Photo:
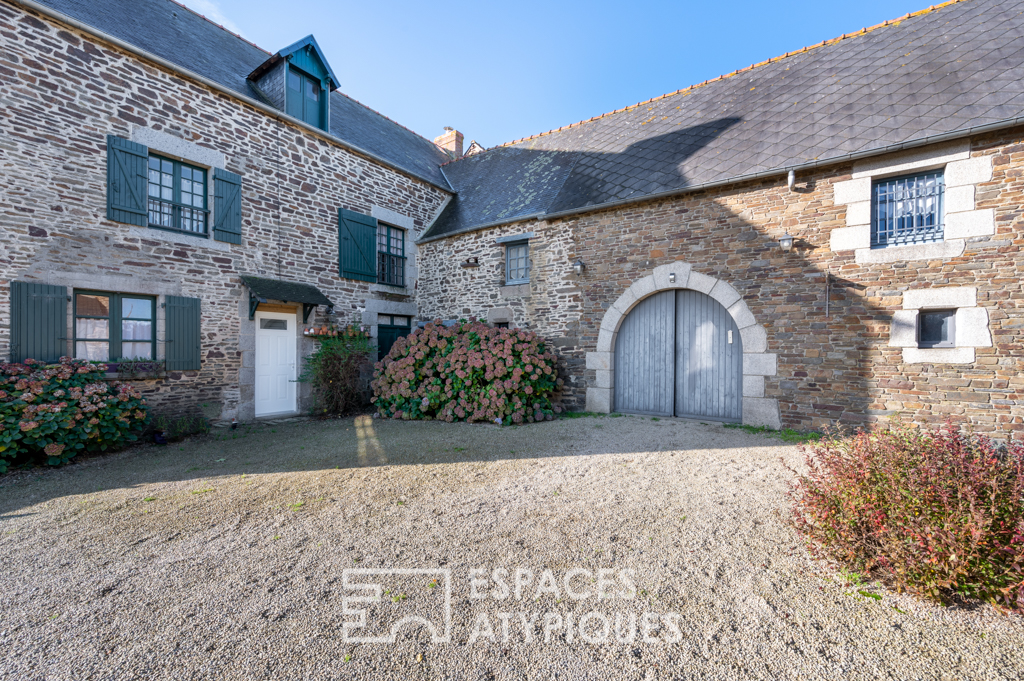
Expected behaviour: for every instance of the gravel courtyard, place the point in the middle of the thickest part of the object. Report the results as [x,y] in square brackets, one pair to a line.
[590,548]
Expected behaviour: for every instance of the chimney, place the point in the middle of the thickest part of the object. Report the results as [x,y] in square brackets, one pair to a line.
[450,141]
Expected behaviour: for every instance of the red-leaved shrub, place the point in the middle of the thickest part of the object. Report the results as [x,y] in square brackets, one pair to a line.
[467,372]
[934,513]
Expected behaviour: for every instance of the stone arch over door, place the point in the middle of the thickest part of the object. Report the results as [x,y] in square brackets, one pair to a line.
[758,363]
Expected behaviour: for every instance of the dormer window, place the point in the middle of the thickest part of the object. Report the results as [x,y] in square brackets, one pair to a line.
[304,95]
[298,81]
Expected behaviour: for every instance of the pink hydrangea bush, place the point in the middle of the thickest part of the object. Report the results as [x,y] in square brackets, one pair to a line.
[467,372]
[55,411]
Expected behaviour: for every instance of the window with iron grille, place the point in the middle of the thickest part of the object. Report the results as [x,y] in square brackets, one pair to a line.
[390,255]
[517,263]
[907,210]
[177,196]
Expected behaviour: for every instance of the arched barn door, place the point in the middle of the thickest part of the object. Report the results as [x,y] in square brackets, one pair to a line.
[678,353]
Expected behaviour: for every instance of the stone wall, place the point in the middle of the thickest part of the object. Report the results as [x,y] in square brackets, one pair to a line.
[551,304]
[63,92]
[840,362]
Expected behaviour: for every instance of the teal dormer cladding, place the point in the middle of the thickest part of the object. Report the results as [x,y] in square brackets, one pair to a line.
[298,80]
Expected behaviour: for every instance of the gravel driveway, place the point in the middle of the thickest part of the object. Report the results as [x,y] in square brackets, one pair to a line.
[235,556]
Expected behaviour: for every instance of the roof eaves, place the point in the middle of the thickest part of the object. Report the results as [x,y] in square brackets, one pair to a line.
[749,177]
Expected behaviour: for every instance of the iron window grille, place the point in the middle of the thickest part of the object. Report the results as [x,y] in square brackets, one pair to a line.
[177,196]
[907,210]
[390,255]
[517,263]
[936,329]
[113,326]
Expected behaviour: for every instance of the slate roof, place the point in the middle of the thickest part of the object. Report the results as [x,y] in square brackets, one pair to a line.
[289,291]
[951,68]
[175,33]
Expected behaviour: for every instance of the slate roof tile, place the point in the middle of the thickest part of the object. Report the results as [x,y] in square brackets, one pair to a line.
[183,37]
[913,78]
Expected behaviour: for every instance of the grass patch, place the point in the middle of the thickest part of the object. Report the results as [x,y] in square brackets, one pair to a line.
[787,435]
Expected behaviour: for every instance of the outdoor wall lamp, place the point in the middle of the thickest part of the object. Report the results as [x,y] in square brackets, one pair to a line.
[578,267]
[786,243]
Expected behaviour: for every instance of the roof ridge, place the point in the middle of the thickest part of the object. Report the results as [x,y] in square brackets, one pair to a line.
[220,26]
[771,60]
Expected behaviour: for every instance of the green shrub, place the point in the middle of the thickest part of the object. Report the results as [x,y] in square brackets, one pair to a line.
[335,370]
[935,513]
[54,412]
[468,371]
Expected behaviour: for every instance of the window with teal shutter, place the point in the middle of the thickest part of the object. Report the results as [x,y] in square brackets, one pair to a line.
[227,196]
[39,321]
[127,181]
[304,97]
[357,246]
[114,326]
[184,336]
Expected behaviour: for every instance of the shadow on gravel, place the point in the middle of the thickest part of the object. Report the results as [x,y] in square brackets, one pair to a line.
[361,443]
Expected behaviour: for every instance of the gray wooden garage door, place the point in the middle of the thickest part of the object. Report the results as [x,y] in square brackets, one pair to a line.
[679,353]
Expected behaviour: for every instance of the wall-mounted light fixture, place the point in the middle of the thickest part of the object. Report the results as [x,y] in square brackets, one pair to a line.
[671,277]
[786,243]
[578,267]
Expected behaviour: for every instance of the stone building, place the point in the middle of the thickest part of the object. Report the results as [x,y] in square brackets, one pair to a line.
[830,236]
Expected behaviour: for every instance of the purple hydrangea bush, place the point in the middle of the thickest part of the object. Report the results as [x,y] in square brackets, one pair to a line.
[467,372]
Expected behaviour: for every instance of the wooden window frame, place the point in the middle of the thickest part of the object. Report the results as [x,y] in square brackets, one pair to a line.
[947,343]
[176,205]
[511,248]
[307,80]
[390,260]
[114,320]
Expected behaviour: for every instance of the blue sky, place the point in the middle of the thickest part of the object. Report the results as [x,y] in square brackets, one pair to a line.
[501,71]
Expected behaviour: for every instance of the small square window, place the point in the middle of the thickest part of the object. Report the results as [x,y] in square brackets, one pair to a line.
[517,263]
[936,329]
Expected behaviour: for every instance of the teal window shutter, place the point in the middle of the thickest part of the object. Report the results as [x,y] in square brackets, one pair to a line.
[293,93]
[227,195]
[183,340]
[127,181]
[39,321]
[357,246]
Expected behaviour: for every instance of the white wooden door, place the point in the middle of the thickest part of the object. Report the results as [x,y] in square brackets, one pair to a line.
[276,349]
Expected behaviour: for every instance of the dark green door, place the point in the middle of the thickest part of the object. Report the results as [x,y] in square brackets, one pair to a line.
[389,329]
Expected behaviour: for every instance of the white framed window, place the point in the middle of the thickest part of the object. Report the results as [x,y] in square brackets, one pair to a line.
[517,263]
